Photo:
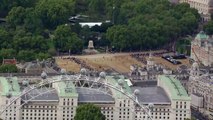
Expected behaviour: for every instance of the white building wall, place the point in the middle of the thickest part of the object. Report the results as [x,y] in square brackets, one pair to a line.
[13,112]
[159,112]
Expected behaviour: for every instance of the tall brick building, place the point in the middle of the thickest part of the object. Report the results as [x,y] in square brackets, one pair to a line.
[202,49]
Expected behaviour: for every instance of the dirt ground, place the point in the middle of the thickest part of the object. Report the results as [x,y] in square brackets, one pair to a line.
[100,62]
[68,65]
[118,62]
[164,62]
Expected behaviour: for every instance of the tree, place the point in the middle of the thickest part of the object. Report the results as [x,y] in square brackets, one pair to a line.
[38,43]
[66,40]
[7,54]
[183,46]
[89,112]
[54,12]
[16,16]
[97,6]
[8,68]
[151,24]
[26,55]
[26,3]
[51,51]
[120,37]
[39,25]
[32,22]
[42,56]
[5,6]
[5,38]
[208,28]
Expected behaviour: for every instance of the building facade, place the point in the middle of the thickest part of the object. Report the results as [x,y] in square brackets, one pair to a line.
[180,100]
[204,7]
[63,98]
[201,87]
[202,50]
[149,73]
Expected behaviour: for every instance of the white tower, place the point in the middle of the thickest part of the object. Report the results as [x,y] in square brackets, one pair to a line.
[194,75]
[195,70]
[150,62]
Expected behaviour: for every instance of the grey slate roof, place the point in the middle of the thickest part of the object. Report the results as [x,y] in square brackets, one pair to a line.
[92,96]
[46,97]
[84,96]
[155,95]
[146,83]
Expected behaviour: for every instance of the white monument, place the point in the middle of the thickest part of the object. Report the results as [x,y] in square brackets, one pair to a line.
[90,45]
[90,49]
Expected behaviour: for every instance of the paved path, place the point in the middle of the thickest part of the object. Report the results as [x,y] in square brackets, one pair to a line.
[109,54]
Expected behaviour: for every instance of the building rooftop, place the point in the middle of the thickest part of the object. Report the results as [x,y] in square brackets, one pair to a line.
[86,95]
[114,80]
[145,83]
[50,96]
[66,89]
[202,36]
[155,95]
[9,85]
[174,86]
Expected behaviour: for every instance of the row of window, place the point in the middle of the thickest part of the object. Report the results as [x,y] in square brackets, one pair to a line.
[156,117]
[38,114]
[38,106]
[38,110]
[39,118]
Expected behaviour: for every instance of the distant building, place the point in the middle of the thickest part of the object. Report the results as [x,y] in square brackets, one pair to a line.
[9,61]
[202,49]
[90,24]
[201,87]
[148,75]
[169,98]
[36,67]
[182,74]
[180,100]
[204,7]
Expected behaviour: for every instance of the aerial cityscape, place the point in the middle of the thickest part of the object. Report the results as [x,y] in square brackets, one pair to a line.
[106,59]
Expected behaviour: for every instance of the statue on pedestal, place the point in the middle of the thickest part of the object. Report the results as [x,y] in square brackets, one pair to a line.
[90,45]
[90,49]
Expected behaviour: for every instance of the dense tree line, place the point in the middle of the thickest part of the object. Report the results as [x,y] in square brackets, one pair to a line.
[142,24]
[208,28]
[149,24]
[32,28]
[38,29]
[7,68]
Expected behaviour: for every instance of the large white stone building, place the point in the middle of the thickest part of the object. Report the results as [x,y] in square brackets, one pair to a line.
[204,7]
[202,49]
[169,98]
[201,87]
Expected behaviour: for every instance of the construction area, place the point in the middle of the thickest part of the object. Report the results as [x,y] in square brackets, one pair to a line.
[119,62]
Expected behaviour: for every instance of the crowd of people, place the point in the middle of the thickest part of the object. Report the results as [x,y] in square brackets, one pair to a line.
[139,57]
[83,64]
